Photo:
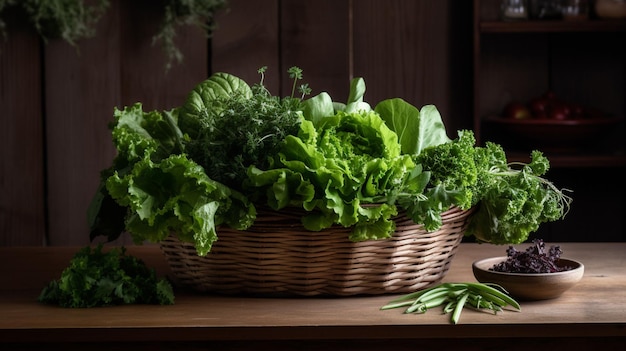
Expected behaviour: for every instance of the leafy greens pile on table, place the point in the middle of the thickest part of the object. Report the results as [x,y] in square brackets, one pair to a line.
[231,147]
[96,278]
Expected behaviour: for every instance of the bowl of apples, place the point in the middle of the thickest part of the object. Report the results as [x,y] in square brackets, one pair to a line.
[551,124]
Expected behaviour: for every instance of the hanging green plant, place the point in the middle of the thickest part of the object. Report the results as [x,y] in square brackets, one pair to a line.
[69,20]
[200,13]
[72,20]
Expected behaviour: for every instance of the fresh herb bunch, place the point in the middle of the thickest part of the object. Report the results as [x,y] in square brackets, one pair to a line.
[67,19]
[535,259]
[240,130]
[96,278]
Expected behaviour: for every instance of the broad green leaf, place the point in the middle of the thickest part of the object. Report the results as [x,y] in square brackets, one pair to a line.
[318,107]
[357,90]
[416,129]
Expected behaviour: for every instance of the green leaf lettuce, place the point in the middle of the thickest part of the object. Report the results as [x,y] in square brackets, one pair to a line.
[343,170]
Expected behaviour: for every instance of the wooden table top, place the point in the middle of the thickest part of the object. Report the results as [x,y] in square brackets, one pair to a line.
[596,307]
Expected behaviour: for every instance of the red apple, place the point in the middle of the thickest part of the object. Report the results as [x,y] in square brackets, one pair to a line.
[539,107]
[516,110]
[560,111]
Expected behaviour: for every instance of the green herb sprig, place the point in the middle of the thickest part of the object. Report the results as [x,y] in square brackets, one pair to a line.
[454,297]
[244,131]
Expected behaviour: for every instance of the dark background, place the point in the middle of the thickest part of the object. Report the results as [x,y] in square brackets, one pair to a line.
[56,101]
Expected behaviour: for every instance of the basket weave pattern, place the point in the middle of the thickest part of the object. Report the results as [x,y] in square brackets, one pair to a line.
[278,257]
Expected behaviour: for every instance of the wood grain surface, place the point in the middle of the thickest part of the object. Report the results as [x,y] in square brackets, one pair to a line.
[591,312]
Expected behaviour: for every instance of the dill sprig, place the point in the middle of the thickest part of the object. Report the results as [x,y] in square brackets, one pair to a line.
[247,131]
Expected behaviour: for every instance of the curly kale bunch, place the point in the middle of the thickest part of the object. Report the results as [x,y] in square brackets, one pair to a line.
[453,168]
[96,278]
[515,199]
[511,199]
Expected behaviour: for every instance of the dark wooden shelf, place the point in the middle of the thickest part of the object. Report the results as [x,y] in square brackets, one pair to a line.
[581,61]
[552,26]
[582,143]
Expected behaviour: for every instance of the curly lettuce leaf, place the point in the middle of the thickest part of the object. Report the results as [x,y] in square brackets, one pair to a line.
[344,170]
[153,189]
[136,134]
[174,195]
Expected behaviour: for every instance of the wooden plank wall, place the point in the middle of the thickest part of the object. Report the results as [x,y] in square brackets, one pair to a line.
[22,219]
[56,102]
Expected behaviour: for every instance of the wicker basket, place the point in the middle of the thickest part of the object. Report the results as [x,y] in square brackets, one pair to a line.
[278,257]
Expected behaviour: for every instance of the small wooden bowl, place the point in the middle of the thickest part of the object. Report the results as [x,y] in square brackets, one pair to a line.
[530,286]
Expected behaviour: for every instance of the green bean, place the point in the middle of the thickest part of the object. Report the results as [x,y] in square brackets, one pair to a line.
[490,290]
[413,298]
[478,302]
[494,299]
[434,293]
[449,307]
[456,314]
[421,307]
[456,293]
[454,297]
